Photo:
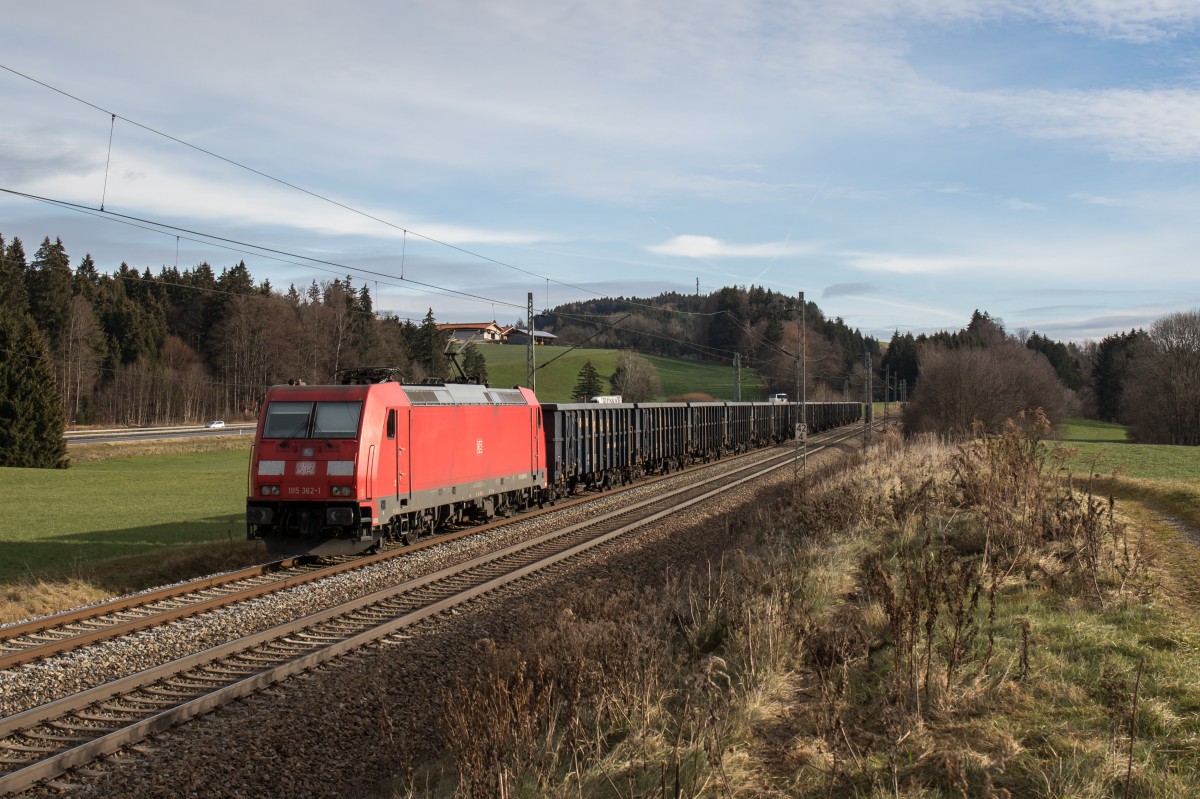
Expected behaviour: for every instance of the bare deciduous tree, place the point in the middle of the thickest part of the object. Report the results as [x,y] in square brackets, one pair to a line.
[959,387]
[635,379]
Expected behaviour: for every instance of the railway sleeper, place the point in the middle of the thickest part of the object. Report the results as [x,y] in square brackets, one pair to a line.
[61,739]
[31,749]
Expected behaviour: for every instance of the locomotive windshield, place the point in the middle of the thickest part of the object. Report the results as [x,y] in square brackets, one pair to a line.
[312,420]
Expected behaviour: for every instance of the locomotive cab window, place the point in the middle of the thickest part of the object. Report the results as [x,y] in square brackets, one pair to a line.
[312,420]
[336,420]
[391,424]
[287,420]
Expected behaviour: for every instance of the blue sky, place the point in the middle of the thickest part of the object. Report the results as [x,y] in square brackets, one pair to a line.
[901,162]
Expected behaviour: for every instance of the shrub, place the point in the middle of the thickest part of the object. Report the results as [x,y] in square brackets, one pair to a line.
[960,387]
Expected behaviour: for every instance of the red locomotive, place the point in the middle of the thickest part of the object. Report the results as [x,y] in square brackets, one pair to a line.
[335,469]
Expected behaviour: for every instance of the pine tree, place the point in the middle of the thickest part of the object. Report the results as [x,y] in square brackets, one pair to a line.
[12,276]
[48,281]
[429,349]
[31,415]
[474,364]
[589,384]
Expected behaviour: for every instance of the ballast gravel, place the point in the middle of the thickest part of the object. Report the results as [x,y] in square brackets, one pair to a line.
[345,728]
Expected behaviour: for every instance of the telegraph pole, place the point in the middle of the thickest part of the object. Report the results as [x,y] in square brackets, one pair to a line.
[804,384]
[530,359]
[868,395]
[887,384]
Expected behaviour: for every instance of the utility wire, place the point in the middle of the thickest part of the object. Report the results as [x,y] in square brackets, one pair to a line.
[256,249]
[316,195]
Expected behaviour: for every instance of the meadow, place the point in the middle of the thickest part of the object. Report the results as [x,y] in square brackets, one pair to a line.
[123,521]
[1153,479]
[1104,448]
[556,381]
[129,516]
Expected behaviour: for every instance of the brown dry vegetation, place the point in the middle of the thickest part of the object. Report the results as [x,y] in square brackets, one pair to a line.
[84,453]
[931,622]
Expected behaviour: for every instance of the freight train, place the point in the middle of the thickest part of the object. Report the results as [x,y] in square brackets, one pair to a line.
[336,469]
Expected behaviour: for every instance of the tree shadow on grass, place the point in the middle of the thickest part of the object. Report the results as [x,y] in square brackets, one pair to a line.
[127,560]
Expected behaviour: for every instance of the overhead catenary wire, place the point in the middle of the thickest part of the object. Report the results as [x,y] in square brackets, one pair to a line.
[309,192]
[281,256]
[333,267]
[262,251]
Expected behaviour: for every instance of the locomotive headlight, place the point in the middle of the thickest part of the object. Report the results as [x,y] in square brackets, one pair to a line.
[270,491]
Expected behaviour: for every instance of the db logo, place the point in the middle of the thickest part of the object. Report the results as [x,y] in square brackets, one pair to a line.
[479,447]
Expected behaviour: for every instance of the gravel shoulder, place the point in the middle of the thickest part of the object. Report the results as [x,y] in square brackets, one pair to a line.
[348,727]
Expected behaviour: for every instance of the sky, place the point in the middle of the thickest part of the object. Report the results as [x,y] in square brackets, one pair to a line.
[902,162]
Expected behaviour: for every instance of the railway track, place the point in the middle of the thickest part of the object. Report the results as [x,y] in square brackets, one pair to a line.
[47,741]
[48,636]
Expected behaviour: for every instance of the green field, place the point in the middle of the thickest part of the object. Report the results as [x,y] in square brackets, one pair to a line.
[109,518]
[1104,448]
[67,522]
[556,381]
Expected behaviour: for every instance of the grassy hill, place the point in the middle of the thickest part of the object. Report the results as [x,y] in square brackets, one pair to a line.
[556,381]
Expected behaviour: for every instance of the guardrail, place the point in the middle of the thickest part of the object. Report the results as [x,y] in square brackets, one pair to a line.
[118,432]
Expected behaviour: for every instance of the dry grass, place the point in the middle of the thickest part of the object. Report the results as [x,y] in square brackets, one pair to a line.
[25,599]
[31,596]
[84,453]
[931,622]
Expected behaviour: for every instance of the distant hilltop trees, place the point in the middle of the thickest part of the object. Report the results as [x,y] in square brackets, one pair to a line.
[82,346]
[1147,380]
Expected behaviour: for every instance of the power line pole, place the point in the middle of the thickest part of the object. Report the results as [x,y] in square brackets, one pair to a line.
[530,359]
[868,395]
[737,377]
[887,383]
[804,383]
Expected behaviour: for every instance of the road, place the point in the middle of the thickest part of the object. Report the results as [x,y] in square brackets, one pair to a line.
[75,438]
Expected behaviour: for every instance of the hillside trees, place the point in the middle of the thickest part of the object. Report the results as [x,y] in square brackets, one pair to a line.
[1061,357]
[756,324]
[900,360]
[129,346]
[1111,368]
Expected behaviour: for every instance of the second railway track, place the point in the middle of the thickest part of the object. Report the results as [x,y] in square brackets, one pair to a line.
[48,740]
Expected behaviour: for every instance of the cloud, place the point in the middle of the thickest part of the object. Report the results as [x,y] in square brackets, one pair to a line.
[896,263]
[1128,124]
[1022,205]
[163,190]
[1129,20]
[1097,199]
[707,247]
[849,290]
